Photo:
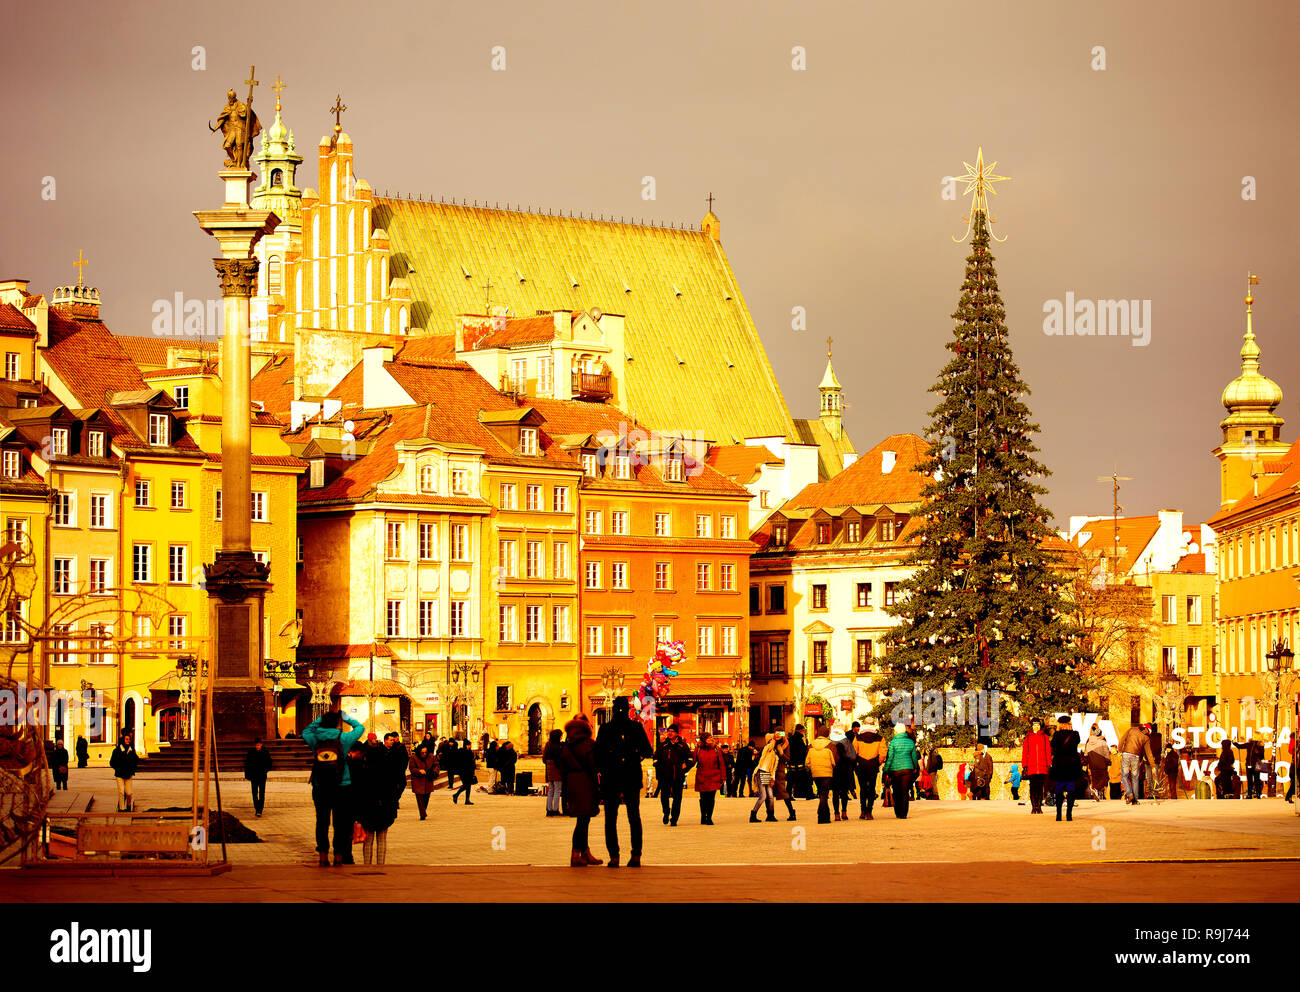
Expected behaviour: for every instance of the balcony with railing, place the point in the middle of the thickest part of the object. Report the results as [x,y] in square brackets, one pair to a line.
[516,389]
[591,385]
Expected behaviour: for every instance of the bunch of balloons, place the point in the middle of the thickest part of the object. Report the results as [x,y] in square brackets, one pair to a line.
[655,684]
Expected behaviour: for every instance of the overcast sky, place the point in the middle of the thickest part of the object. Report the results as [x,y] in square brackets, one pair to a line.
[1126,182]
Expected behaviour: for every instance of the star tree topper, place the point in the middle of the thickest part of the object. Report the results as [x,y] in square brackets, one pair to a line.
[979,179]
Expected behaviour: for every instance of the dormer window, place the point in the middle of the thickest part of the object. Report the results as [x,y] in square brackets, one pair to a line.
[182,394]
[59,441]
[779,535]
[823,533]
[589,465]
[622,467]
[317,473]
[674,472]
[460,481]
[11,464]
[528,440]
[887,530]
[95,445]
[854,532]
[159,430]
[428,479]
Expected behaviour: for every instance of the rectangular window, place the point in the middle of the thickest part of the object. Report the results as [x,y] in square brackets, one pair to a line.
[728,640]
[59,440]
[298,557]
[618,575]
[177,630]
[663,633]
[618,639]
[99,574]
[704,640]
[592,519]
[560,499]
[528,440]
[663,525]
[1194,660]
[589,465]
[819,597]
[545,377]
[178,556]
[460,481]
[727,573]
[144,632]
[622,467]
[396,544]
[159,430]
[259,507]
[64,510]
[218,505]
[618,522]
[96,444]
[16,531]
[1168,609]
[703,525]
[532,623]
[703,577]
[593,575]
[428,617]
[755,600]
[776,599]
[560,561]
[891,593]
[11,365]
[503,699]
[779,532]
[178,495]
[854,532]
[776,657]
[1193,609]
[533,498]
[728,528]
[535,560]
[142,563]
[509,496]
[11,464]
[864,595]
[1169,660]
[395,618]
[14,632]
[460,542]
[428,542]
[428,478]
[99,509]
[594,639]
[887,530]
[182,397]
[458,615]
[508,559]
[663,575]
[675,471]
[509,625]
[864,656]
[560,624]
[63,578]
[820,661]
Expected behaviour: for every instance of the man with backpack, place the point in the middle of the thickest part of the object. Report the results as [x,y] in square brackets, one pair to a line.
[871,750]
[331,783]
[981,772]
[621,746]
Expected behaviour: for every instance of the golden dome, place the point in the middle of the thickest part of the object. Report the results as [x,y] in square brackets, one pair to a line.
[1252,389]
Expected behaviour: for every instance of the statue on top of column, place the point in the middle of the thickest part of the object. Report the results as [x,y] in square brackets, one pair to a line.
[239,126]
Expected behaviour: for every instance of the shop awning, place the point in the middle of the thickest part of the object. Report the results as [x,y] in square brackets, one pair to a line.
[365,688]
[171,682]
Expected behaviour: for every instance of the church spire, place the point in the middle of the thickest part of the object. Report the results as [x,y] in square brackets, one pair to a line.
[831,400]
[710,224]
[278,164]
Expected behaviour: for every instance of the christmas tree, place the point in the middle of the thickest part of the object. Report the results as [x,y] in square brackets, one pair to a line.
[984,609]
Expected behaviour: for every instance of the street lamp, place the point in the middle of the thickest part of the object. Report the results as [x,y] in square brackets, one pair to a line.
[187,667]
[740,693]
[1280,660]
[463,675]
[612,679]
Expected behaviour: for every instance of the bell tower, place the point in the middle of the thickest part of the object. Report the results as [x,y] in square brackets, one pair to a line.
[832,404]
[277,165]
[1252,432]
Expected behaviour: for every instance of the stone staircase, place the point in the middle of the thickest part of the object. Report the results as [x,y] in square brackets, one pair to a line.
[291,755]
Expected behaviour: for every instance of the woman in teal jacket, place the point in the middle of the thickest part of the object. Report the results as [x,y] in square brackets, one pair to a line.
[901,763]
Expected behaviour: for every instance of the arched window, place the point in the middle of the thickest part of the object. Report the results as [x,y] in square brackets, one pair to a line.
[352,231]
[401,321]
[277,177]
[388,321]
[315,233]
[365,228]
[273,275]
[334,181]
[367,294]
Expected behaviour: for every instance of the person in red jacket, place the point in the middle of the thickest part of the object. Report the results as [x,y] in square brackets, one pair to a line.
[710,776]
[1035,759]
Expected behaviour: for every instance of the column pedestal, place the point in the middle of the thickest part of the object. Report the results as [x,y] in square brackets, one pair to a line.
[237,587]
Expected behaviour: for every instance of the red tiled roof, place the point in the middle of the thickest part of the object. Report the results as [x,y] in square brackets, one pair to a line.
[179,370]
[517,331]
[12,319]
[864,482]
[35,300]
[273,384]
[433,348]
[1135,533]
[152,350]
[741,462]
[1191,563]
[261,418]
[269,461]
[90,360]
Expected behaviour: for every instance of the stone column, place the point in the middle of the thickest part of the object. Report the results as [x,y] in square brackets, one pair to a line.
[236,581]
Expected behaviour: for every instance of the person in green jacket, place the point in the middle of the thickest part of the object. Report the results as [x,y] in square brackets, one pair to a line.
[331,791]
[901,764]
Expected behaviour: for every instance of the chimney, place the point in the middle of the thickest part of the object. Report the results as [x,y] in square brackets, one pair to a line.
[13,291]
[374,380]
[887,461]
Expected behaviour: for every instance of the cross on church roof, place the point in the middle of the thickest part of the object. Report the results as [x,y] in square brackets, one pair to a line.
[337,111]
[278,86]
[828,347]
[79,263]
[710,203]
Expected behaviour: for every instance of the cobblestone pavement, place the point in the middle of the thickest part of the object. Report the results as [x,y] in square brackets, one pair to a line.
[504,831]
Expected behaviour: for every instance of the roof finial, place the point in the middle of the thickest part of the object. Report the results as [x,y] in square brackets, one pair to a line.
[278,86]
[979,179]
[828,347]
[337,111]
[710,203]
[80,264]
